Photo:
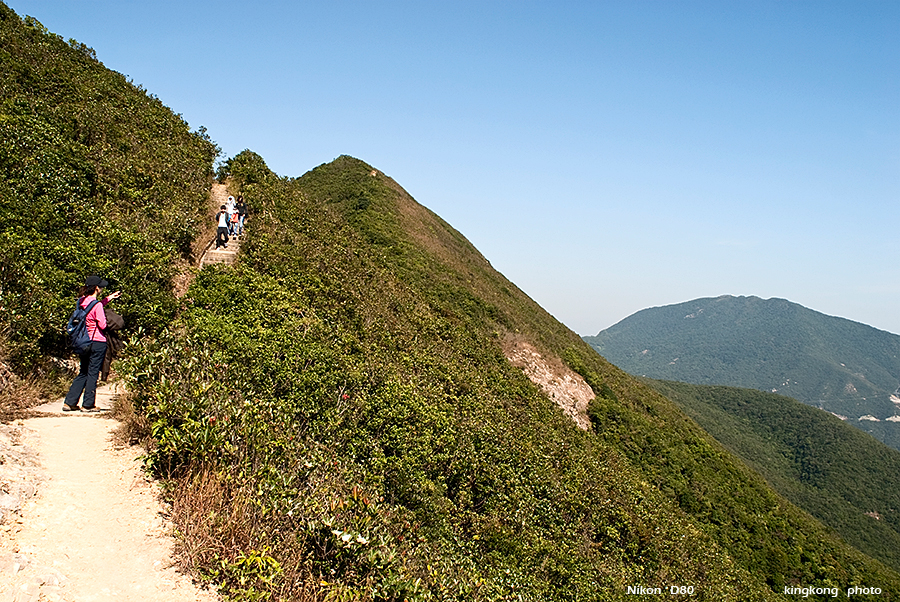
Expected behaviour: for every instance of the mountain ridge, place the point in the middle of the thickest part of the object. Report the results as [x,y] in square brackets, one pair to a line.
[440,328]
[848,368]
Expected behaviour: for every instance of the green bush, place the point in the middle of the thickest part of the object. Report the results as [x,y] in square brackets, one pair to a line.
[96,176]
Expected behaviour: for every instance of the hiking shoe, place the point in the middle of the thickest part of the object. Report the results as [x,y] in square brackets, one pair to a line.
[94,410]
[68,408]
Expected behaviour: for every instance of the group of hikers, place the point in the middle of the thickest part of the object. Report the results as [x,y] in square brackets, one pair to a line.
[230,220]
[101,323]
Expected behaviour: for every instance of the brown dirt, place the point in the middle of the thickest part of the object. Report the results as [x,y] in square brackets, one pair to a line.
[89,526]
[559,382]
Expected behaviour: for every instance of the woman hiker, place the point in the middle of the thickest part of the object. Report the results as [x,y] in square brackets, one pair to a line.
[92,358]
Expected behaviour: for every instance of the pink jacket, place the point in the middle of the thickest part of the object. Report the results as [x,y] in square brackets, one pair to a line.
[96,320]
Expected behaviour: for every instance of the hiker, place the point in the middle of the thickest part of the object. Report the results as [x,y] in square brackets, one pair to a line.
[234,224]
[92,357]
[230,208]
[242,213]
[222,230]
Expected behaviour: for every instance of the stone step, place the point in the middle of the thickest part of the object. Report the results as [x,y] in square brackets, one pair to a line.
[225,256]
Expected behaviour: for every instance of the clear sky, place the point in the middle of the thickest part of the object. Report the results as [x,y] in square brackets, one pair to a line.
[605,156]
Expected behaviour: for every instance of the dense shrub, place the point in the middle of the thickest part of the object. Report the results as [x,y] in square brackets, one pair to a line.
[96,176]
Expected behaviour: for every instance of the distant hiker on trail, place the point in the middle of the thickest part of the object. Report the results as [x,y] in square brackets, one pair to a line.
[222,229]
[229,207]
[241,207]
[93,355]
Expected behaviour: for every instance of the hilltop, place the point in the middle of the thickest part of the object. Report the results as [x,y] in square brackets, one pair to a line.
[360,407]
[845,367]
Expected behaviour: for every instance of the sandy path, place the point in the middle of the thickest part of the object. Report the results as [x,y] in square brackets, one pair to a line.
[95,531]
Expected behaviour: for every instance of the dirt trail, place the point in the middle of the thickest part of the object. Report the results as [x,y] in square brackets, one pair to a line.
[95,531]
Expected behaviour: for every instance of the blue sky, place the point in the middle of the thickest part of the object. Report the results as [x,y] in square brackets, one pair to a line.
[605,156]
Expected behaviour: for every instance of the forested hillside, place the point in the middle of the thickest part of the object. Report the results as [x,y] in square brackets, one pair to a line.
[838,474]
[335,416]
[772,345]
[96,176]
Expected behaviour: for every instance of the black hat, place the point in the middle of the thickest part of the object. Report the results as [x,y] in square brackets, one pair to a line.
[96,281]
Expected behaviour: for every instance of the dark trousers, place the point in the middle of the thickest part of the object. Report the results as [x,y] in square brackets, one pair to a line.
[221,236]
[88,373]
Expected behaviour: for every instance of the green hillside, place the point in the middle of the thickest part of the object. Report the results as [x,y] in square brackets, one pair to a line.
[334,416]
[342,396]
[772,345]
[838,474]
[96,176]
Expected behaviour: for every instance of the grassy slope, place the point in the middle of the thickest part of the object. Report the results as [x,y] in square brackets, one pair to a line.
[96,176]
[835,472]
[354,354]
[846,367]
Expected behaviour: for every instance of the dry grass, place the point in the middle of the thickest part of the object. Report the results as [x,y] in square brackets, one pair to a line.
[18,398]
[133,429]
[18,395]
[215,524]
[209,525]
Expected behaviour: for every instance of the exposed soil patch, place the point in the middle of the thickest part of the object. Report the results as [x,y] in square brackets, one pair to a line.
[561,384]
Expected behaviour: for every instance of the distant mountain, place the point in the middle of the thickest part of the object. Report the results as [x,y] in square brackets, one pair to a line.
[838,474]
[844,367]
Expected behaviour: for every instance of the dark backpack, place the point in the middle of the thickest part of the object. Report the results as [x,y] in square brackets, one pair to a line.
[76,329]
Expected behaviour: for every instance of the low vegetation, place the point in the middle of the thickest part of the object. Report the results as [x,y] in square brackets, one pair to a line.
[843,477]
